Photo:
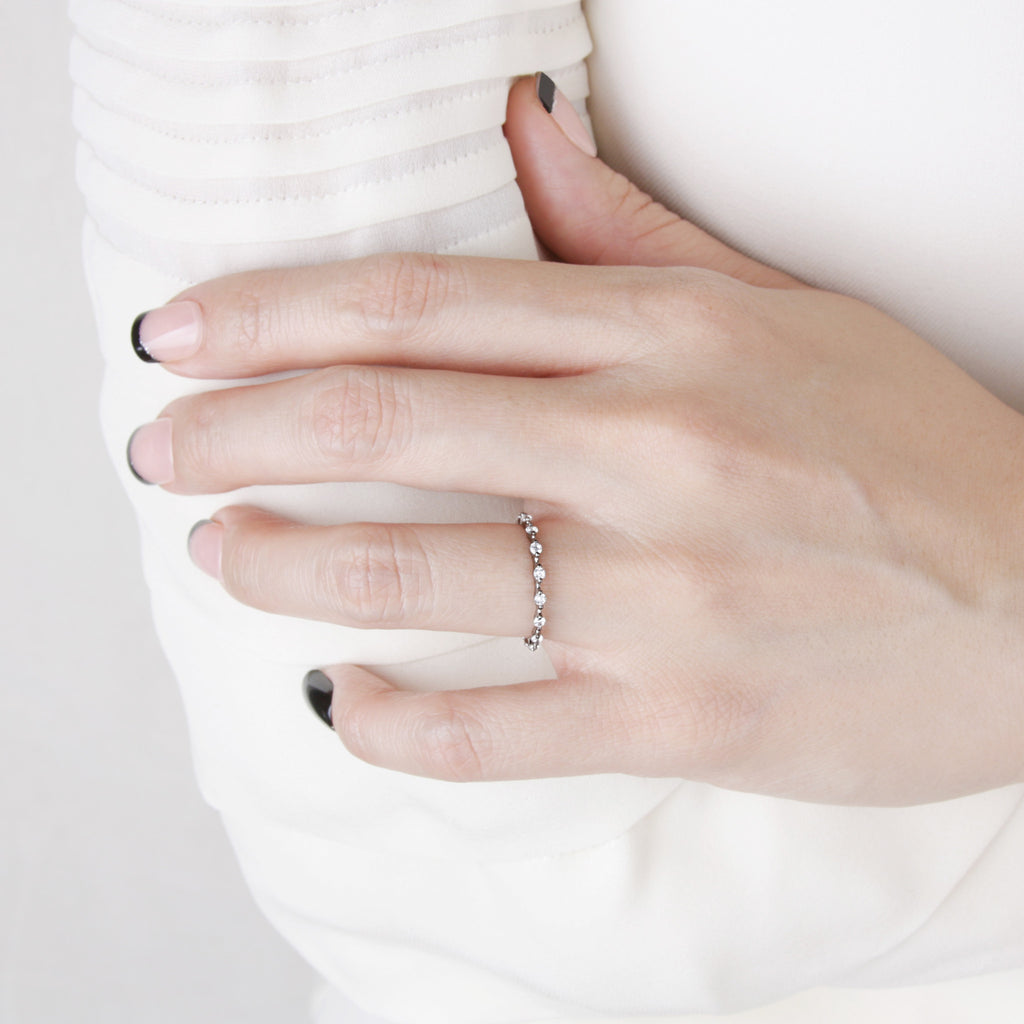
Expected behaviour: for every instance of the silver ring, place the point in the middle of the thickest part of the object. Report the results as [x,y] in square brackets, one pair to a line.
[534,640]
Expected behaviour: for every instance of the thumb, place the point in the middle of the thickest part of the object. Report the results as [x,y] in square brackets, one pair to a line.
[585,212]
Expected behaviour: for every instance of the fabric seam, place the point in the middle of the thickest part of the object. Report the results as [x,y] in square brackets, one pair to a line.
[308,200]
[409,110]
[450,45]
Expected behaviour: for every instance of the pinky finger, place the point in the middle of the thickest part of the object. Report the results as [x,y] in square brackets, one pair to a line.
[553,727]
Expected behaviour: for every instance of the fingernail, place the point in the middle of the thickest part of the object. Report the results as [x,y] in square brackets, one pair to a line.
[564,113]
[149,453]
[205,542]
[171,332]
[319,692]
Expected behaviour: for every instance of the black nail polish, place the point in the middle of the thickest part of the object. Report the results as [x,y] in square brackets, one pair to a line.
[546,92]
[319,691]
[140,349]
[128,459]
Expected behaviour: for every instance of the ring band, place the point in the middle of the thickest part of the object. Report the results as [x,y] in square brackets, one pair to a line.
[534,640]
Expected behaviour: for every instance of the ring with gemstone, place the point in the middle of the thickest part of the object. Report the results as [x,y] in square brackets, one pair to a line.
[533,641]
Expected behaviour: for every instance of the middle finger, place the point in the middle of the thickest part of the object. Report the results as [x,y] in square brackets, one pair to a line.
[434,429]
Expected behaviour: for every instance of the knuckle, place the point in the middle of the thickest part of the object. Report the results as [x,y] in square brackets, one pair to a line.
[358,725]
[253,326]
[712,724]
[650,421]
[692,434]
[717,451]
[450,743]
[679,315]
[401,294]
[700,294]
[244,568]
[359,415]
[199,438]
[719,589]
[722,715]
[379,579]
[701,306]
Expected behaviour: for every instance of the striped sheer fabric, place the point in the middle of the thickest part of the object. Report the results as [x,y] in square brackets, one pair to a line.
[208,128]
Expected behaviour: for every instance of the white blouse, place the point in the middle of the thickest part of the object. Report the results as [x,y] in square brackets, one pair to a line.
[874,150]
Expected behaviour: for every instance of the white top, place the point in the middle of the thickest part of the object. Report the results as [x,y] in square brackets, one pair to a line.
[876,148]
[873,149]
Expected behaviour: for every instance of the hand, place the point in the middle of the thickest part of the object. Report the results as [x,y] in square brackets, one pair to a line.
[784,537]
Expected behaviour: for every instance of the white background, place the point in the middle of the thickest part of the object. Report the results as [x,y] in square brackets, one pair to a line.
[119,897]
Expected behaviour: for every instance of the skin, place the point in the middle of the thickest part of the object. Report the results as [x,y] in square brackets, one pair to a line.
[784,535]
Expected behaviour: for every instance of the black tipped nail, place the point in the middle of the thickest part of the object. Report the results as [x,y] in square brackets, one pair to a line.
[128,459]
[201,523]
[546,91]
[140,349]
[319,692]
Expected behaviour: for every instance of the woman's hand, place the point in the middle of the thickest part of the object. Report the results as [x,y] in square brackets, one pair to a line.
[783,536]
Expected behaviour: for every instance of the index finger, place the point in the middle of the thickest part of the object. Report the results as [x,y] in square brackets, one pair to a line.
[410,309]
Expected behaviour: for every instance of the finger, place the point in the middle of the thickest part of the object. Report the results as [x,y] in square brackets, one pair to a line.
[435,430]
[585,212]
[556,727]
[473,578]
[495,316]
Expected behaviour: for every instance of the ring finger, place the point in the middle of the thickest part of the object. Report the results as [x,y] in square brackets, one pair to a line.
[473,578]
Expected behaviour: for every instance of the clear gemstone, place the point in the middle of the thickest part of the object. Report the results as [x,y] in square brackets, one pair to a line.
[539,573]
[540,599]
[524,519]
[539,621]
[536,549]
[532,531]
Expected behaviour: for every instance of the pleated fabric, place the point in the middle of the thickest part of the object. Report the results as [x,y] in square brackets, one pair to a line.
[218,137]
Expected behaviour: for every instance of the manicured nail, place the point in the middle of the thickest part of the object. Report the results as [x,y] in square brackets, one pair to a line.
[168,333]
[149,453]
[564,113]
[205,543]
[319,692]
